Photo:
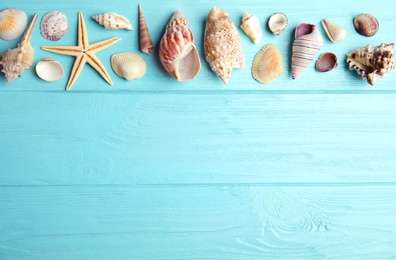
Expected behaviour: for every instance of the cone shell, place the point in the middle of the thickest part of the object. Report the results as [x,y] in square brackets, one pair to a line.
[335,32]
[366,25]
[113,21]
[54,25]
[326,62]
[268,64]
[222,44]
[177,51]
[49,70]
[277,23]
[307,43]
[146,44]
[251,26]
[12,23]
[128,65]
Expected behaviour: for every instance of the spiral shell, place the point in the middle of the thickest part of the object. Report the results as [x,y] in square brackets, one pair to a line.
[113,21]
[177,51]
[366,25]
[128,65]
[277,23]
[251,26]
[335,32]
[326,62]
[49,70]
[54,25]
[12,23]
[268,64]
[146,44]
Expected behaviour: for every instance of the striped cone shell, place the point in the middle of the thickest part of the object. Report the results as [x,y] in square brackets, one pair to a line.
[146,44]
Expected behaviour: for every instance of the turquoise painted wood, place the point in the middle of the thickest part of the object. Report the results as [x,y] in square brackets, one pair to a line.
[156,169]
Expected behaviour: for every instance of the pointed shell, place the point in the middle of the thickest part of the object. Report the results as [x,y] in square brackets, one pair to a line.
[128,65]
[12,23]
[326,62]
[277,23]
[335,32]
[146,44]
[366,25]
[54,25]
[113,21]
[49,70]
[268,64]
[251,26]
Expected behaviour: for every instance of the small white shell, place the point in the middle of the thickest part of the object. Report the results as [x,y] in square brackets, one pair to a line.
[128,65]
[113,21]
[12,23]
[49,70]
[277,23]
[251,26]
[335,32]
[54,25]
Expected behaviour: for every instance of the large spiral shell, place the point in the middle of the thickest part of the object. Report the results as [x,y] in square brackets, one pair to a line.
[12,23]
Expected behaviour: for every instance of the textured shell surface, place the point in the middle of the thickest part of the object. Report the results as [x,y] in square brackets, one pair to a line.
[15,61]
[306,45]
[113,21]
[49,70]
[177,51]
[128,65]
[222,44]
[12,23]
[335,32]
[366,25]
[326,62]
[372,62]
[268,64]
[251,26]
[54,25]
[277,23]
[146,44]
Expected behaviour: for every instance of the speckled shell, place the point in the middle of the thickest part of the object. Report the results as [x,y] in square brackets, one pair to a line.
[113,21]
[12,23]
[326,62]
[372,62]
[54,25]
[335,32]
[49,70]
[366,25]
[177,51]
[268,64]
[222,44]
[277,23]
[128,65]
[251,26]
[146,44]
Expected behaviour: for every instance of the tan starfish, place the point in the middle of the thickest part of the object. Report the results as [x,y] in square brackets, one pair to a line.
[84,53]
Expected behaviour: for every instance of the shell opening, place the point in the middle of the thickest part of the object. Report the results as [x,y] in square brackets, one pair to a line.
[187,64]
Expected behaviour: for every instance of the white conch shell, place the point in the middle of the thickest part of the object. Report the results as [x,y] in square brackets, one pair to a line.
[307,43]
[268,64]
[128,65]
[177,51]
[146,44]
[277,23]
[222,44]
[15,61]
[54,25]
[251,26]
[335,32]
[12,23]
[49,70]
[372,62]
[113,21]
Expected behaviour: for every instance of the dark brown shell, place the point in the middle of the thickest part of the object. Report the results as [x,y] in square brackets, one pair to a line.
[366,25]
[326,62]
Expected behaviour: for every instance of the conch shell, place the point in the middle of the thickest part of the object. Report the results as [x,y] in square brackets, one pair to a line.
[113,21]
[15,61]
[177,51]
[307,43]
[251,26]
[372,62]
[268,64]
[335,32]
[146,44]
[12,23]
[222,44]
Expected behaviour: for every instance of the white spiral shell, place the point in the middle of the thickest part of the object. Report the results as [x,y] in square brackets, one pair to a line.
[113,21]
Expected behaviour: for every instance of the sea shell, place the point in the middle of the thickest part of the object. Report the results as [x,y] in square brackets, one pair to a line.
[372,62]
[251,26]
[277,23]
[326,62]
[15,61]
[54,25]
[146,44]
[177,51]
[128,65]
[366,24]
[12,23]
[268,64]
[49,70]
[335,32]
[307,43]
[222,44]
[113,21]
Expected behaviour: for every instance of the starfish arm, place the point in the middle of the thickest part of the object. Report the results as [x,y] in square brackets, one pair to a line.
[82,32]
[98,66]
[99,46]
[63,50]
[77,68]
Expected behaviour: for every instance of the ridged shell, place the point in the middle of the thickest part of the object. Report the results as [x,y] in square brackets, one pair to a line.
[326,62]
[335,32]
[307,43]
[54,25]
[366,25]
[49,70]
[146,44]
[15,61]
[113,21]
[177,51]
[222,44]
[372,62]
[277,23]
[251,26]
[12,23]
[128,65]
[268,64]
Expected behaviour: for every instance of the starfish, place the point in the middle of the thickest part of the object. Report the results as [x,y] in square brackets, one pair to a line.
[84,53]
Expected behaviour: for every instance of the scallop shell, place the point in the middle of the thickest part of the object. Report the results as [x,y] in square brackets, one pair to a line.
[128,65]
[307,43]
[12,23]
[268,64]
[15,61]
[335,32]
[177,51]
[277,23]
[113,21]
[372,62]
[366,24]
[326,62]
[49,70]
[146,44]
[54,25]
[251,26]
[222,44]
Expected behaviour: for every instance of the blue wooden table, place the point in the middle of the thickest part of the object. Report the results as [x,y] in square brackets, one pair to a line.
[157,169]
